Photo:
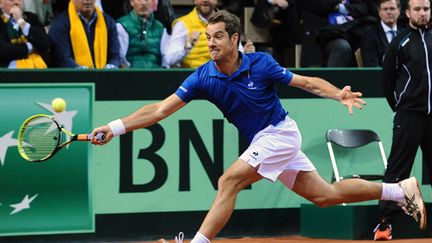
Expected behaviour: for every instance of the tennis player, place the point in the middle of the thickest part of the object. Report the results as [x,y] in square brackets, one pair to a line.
[242,87]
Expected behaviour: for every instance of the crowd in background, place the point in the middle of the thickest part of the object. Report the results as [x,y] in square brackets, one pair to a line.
[151,34]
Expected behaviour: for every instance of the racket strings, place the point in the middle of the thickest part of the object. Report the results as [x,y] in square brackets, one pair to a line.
[40,137]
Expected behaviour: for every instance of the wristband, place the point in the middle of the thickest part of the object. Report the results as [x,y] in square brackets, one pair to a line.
[117,127]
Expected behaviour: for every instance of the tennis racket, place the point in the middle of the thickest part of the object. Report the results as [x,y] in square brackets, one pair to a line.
[41,137]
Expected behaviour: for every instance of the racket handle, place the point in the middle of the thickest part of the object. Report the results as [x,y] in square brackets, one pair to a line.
[100,137]
[87,137]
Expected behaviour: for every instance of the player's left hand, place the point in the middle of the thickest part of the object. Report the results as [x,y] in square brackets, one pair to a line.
[350,99]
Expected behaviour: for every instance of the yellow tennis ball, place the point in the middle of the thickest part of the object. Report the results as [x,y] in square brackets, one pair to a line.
[58,105]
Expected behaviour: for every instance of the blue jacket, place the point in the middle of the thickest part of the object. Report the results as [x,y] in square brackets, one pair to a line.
[62,46]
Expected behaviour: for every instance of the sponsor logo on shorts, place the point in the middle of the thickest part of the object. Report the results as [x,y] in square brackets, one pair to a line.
[254,155]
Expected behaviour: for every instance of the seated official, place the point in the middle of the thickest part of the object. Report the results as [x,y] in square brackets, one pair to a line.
[84,37]
[375,43]
[23,41]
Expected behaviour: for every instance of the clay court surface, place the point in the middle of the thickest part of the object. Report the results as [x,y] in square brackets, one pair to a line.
[293,239]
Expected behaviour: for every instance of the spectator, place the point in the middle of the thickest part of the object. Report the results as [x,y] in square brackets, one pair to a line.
[84,37]
[342,36]
[42,8]
[23,39]
[188,43]
[187,46]
[141,34]
[375,43]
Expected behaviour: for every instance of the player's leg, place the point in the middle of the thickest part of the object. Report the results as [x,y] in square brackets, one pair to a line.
[237,177]
[266,157]
[311,186]
[301,176]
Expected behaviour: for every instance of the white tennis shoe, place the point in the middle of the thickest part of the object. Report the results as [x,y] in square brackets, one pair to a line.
[413,204]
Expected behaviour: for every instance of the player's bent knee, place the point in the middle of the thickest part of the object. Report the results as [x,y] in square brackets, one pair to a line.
[229,182]
[225,182]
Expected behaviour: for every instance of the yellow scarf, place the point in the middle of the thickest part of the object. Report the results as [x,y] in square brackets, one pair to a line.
[33,60]
[79,40]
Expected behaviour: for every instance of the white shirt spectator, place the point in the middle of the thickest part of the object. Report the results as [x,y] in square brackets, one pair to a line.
[175,51]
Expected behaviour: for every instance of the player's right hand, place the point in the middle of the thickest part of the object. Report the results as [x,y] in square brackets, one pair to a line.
[108,135]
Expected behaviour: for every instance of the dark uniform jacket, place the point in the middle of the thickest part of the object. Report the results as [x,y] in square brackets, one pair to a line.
[407,71]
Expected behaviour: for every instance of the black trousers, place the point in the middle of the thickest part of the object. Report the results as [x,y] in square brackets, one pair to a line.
[410,131]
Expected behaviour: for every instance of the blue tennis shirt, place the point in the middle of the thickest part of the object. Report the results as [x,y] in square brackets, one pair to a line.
[247,98]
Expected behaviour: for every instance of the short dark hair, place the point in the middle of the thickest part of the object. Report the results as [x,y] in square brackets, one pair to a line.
[232,22]
[408,4]
[398,4]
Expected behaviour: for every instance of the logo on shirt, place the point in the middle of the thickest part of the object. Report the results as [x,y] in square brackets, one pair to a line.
[183,89]
[283,71]
[251,85]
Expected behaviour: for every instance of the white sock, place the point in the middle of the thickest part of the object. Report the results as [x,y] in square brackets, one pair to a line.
[392,192]
[200,238]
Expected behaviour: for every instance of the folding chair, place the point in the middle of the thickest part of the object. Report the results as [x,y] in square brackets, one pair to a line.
[351,139]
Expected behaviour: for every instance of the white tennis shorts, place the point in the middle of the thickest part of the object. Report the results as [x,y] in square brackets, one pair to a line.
[277,152]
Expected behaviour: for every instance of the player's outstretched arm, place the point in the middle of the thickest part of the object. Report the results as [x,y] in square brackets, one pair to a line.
[143,117]
[325,89]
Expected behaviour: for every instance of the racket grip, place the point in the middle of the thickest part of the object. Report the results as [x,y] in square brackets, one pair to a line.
[100,136]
